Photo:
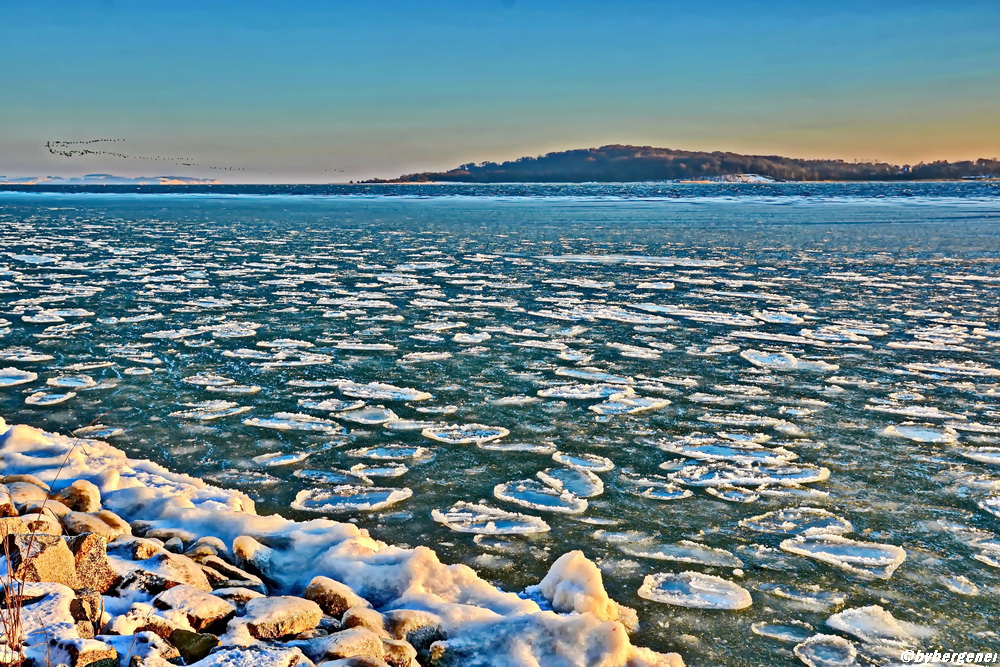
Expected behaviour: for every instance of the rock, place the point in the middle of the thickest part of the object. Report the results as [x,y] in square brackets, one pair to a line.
[7,507]
[142,617]
[333,597]
[42,558]
[346,644]
[281,616]
[237,596]
[174,545]
[134,548]
[143,649]
[419,628]
[198,551]
[193,646]
[202,609]
[398,653]
[85,629]
[116,522]
[92,567]
[49,506]
[166,534]
[360,661]
[251,554]
[12,525]
[255,656]
[44,524]
[27,479]
[77,523]
[365,617]
[81,496]
[161,571]
[22,493]
[230,572]
[87,607]
[90,653]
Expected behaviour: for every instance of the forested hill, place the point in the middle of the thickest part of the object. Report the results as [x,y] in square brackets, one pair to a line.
[644,163]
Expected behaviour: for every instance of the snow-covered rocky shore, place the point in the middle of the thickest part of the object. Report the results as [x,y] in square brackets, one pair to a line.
[136,565]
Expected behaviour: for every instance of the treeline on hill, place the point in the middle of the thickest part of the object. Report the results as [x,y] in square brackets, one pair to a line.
[644,163]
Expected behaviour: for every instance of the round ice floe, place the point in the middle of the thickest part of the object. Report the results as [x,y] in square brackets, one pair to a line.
[784,361]
[721,451]
[629,406]
[923,433]
[653,487]
[378,391]
[733,494]
[587,391]
[777,317]
[280,459]
[392,469]
[418,357]
[482,519]
[594,375]
[983,454]
[966,368]
[209,410]
[331,404]
[349,498]
[208,380]
[873,625]
[725,474]
[242,478]
[14,376]
[591,462]
[335,477]
[991,505]
[799,521]
[809,595]
[465,434]
[867,558]
[826,651]
[527,447]
[46,398]
[577,481]
[693,589]
[293,421]
[234,389]
[368,416]
[536,495]
[72,382]
[792,631]
[392,453]
[684,551]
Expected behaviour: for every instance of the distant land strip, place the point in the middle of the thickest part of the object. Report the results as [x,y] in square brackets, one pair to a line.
[617,163]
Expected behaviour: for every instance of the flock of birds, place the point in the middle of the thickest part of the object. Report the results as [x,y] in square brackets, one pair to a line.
[78,149]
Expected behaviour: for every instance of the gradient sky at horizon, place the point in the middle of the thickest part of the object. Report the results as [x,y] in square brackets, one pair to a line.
[291,91]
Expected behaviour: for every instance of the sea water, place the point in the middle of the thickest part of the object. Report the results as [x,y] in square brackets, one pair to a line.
[755,406]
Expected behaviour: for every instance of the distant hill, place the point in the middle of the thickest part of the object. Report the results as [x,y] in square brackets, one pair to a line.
[107,179]
[644,163]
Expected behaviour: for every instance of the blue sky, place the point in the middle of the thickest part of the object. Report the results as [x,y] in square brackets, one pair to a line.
[291,91]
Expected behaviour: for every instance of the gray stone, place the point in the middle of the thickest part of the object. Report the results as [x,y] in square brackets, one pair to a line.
[365,617]
[30,479]
[42,558]
[399,653]
[258,656]
[280,616]
[78,523]
[81,496]
[193,646]
[91,559]
[333,597]
[346,644]
[201,609]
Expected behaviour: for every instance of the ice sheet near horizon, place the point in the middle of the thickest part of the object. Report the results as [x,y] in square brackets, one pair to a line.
[755,392]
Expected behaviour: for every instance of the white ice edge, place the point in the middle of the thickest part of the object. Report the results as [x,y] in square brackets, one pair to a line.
[477,617]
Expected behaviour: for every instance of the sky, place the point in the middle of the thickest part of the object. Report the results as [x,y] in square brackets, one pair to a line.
[310,91]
